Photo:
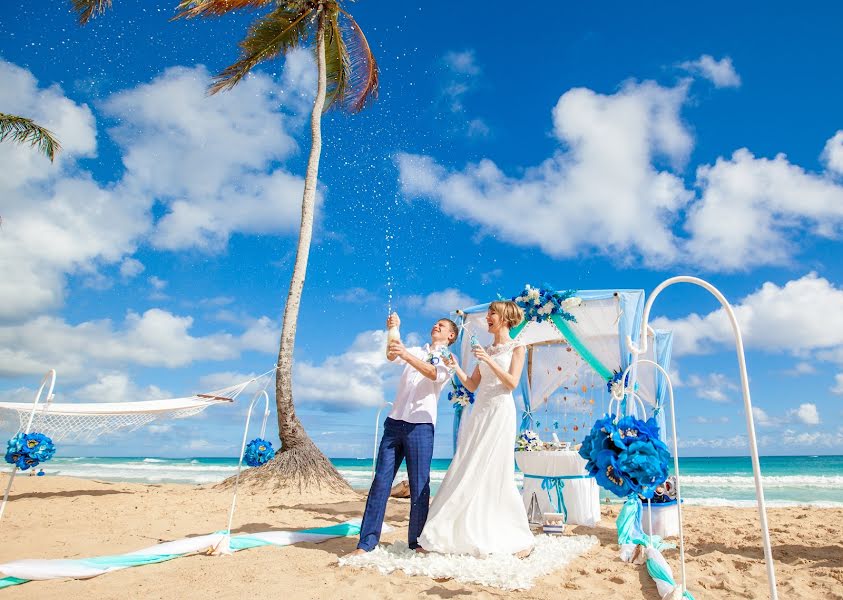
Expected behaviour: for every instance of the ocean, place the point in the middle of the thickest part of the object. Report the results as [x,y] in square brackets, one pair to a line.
[717,481]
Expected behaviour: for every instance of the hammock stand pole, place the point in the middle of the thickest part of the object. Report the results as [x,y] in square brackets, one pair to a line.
[51,377]
[220,549]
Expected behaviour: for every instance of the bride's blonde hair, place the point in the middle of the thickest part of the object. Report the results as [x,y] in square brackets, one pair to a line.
[509,312]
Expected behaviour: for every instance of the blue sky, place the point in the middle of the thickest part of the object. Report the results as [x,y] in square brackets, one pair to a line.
[614,146]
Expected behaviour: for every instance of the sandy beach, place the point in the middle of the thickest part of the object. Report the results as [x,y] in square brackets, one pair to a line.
[63,517]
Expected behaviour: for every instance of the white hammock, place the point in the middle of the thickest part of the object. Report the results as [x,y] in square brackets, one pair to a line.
[86,422]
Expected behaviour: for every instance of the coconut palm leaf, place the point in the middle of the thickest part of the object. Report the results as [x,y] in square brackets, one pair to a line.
[276,33]
[26,131]
[364,78]
[337,60]
[88,9]
[215,8]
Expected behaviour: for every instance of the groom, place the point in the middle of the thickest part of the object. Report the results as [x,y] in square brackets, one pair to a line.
[408,432]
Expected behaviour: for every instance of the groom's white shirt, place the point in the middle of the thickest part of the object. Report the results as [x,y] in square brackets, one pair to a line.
[417,396]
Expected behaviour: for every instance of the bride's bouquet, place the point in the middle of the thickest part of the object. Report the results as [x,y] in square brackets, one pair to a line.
[460,395]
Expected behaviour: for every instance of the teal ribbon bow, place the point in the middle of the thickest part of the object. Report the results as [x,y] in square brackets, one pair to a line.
[557,483]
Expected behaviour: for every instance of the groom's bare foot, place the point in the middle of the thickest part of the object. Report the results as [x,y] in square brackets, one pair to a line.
[421,550]
[357,552]
[524,553]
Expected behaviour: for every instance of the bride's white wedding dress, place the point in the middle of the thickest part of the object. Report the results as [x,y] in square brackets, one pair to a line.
[477,509]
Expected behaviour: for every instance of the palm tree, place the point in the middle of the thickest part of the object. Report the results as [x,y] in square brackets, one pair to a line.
[347,79]
[27,131]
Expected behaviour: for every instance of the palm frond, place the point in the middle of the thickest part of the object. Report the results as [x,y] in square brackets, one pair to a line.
[215,8]
[364,79]
[26,131]
[277,33]
[337,60]
[88,9]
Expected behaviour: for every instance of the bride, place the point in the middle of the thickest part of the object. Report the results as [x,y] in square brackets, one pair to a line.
[478,509]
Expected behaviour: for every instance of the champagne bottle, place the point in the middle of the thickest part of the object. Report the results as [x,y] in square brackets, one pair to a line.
[392,334]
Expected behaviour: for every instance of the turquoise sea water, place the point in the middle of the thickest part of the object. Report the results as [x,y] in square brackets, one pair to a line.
[718,481]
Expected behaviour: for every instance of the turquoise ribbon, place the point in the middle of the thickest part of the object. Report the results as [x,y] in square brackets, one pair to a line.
[556,483]
[577,345]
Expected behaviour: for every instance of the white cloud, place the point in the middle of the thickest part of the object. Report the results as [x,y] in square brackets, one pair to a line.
[117,387]
[478,128]
[837,388]
[157,283]
[714,386]
[440,303]
[156,338]
[206,158]
[593,191]
[802,368]
[761,417]
[464,62]
[490,276]
[710,420]
[751,207]
[807,413]
[355,295]
[131,267]
[720,72]
[211,162]
[614,186]
[723,443]
[833,153]
[356,377]
[804,314]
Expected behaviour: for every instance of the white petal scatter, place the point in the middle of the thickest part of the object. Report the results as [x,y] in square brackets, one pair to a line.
[503,571]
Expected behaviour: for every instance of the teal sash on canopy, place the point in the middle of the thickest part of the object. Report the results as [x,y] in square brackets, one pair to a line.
[573,340]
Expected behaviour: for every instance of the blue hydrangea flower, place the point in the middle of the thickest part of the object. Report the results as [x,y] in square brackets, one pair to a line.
[645,463]
[40,447]
[610,476]
[630,429]
[258,452]
[27,450]
[600,438]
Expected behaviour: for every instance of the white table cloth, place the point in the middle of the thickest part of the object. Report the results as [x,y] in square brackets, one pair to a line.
[580,494]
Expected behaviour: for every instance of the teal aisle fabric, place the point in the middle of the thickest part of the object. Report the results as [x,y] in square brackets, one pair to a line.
[239,542]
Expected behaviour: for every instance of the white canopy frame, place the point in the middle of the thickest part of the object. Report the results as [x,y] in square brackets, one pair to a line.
[750,424]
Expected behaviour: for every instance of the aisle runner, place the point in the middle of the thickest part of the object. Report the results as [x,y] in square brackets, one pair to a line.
[502,571]
[21,571]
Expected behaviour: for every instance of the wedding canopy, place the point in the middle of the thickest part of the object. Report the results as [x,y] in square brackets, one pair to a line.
[589,346]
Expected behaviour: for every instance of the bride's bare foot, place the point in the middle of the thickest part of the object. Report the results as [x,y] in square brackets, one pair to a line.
[524,553]
[357,552]
[421,550]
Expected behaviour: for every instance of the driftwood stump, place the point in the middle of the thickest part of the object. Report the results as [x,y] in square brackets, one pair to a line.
[401,490]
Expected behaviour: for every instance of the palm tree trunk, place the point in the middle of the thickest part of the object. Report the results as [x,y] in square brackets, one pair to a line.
[300,463]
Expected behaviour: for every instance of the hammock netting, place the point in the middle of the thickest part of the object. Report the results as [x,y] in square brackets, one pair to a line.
[88,421]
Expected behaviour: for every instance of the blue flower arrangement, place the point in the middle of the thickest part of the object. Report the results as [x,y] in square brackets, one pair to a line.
[460,395]
[27,450]
[626,455]
[258,452]
[539,304]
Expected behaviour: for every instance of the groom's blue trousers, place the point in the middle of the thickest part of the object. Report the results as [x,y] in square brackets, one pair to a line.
[401,440]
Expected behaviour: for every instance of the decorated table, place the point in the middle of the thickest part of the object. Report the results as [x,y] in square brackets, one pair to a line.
[561,484]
